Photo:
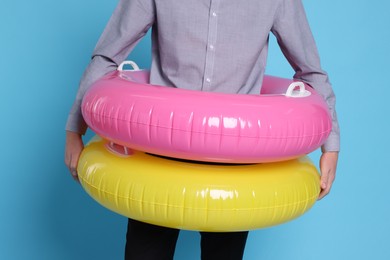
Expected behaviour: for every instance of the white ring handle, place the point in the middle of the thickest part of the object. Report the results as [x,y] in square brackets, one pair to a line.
[302,92]
[118,150]
[128,62]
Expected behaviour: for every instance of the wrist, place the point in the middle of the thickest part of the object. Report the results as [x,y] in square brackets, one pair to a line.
[72,135]
[324,150]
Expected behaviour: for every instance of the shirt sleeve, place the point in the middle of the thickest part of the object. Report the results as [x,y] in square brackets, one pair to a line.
[296,41]
[129,22]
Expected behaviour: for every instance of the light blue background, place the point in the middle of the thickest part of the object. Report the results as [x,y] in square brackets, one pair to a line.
[45,46]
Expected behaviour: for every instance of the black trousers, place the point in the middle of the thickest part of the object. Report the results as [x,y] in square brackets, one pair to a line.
[149,242]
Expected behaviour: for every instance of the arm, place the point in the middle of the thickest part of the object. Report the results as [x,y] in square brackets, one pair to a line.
[328,164]
[296,41]
[128,24]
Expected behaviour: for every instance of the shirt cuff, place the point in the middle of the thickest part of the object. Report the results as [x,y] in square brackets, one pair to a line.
[76,123]
[332,144]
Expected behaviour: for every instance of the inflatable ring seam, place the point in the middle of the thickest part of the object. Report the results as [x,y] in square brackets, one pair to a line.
[321,133]
[176,206]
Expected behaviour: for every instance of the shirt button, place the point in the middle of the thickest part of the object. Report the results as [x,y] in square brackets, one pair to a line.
[211,47]
[208,80]
[214,14]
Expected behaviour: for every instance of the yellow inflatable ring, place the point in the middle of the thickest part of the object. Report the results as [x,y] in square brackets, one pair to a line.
[198,196]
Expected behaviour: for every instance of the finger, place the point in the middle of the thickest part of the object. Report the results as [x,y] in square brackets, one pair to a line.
[73,169]
[75,175]
[327,179]
[324,183]
[73,172]
[324,192]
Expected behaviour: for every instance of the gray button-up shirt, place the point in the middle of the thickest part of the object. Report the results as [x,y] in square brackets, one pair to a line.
[210,45]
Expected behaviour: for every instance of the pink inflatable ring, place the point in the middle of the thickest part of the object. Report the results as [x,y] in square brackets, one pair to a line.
[280,124]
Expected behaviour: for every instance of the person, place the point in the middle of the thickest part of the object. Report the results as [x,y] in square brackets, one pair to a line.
[205,45]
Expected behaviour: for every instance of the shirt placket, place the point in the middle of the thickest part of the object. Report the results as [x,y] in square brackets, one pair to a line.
[211,42]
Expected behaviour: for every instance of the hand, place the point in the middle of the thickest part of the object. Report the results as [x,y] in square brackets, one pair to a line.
[73,147]
[328,165]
